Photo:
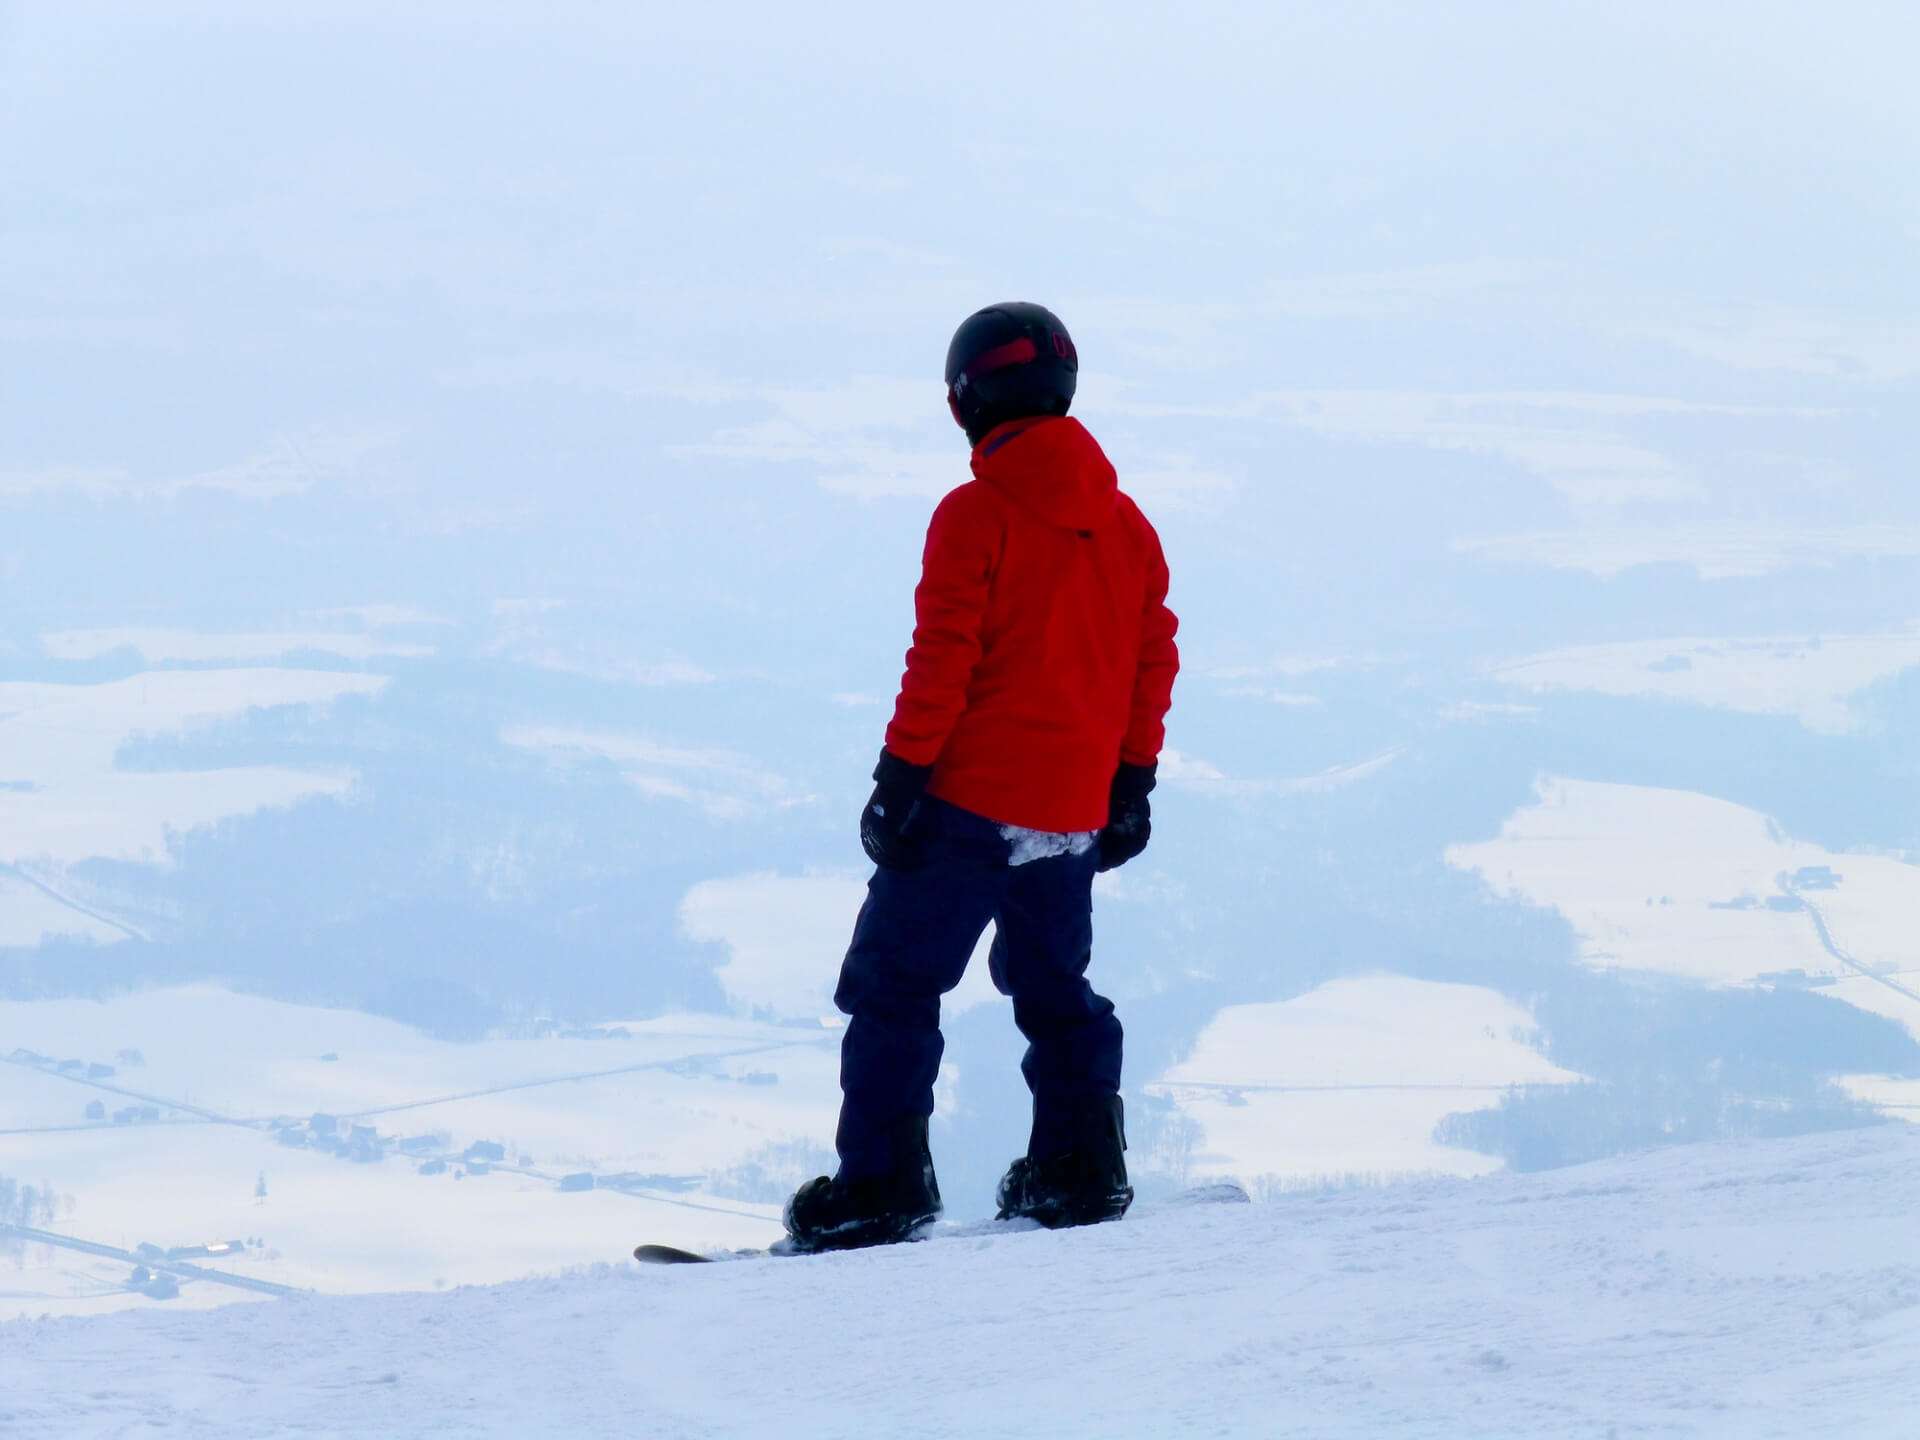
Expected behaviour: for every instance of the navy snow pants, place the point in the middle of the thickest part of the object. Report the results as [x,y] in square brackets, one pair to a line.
[911,944]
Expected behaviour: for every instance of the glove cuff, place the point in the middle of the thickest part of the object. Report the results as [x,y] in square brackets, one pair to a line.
[896,774]
[1133,783]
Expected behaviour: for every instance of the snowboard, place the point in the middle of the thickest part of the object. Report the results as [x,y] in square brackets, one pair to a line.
[1221,1193]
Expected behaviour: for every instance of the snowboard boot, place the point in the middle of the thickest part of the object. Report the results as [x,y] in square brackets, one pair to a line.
[1080,1186]
[848,1213]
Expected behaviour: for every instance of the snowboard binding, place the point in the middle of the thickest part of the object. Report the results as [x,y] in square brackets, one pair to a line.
[1083,1185]
[851,1213]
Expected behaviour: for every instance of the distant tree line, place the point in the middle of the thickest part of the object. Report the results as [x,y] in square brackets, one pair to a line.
[31,1205]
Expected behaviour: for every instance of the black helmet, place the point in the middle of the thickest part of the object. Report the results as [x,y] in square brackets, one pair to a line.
[1007,362]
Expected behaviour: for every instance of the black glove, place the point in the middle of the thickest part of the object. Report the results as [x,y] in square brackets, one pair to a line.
[894,803]
[1129,817]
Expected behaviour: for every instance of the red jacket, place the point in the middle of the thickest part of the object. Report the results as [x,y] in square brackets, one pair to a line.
[1043,651]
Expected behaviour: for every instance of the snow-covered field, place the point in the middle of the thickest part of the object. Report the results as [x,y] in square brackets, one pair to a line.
[1816,679]
[223,1144]
[1681,883]
[1349,1081]
[1767,1288]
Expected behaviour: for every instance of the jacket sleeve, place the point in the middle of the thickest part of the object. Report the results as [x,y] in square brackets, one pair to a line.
[950,606]
[1159,663]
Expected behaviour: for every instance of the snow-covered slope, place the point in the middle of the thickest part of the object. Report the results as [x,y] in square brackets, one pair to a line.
[1752,1289]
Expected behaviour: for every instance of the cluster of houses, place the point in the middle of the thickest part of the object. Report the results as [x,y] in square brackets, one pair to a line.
[126,1115]
[359,1143]
[77,1069]
[435,1155]
[211,1250]
[154,1284]
[93,1070]
[364,1145]
[546,1028]
[158,1284]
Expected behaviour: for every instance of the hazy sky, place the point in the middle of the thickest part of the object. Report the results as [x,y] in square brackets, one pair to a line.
[471,273]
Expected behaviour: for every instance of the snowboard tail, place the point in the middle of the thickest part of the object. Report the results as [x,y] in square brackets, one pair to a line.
[674,1255]
[668,1255]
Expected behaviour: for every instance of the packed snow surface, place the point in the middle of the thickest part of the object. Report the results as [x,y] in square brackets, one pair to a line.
[1767,1288]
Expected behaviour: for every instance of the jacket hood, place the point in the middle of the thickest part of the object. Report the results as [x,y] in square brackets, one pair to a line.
[1051,465]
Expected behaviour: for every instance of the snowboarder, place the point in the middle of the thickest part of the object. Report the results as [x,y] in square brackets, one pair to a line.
[1018,763]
